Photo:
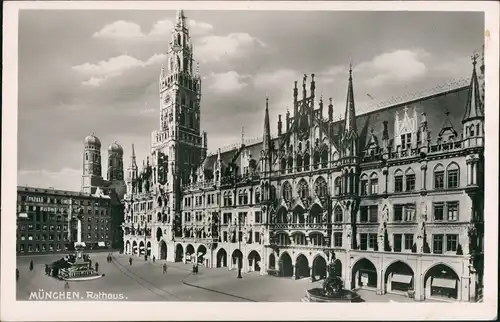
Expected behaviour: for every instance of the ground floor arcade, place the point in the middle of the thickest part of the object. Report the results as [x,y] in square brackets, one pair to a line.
[422,276]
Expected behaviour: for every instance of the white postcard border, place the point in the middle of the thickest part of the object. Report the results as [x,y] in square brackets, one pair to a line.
[13,310]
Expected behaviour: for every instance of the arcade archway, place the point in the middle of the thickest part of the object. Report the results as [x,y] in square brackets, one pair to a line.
[179,253]
[364,274]
[254,261]
[285,265]
[201,255]
[127,248]
[399,277]
[441,281]
[237,258]
[302,267]
[141,248]
[162,250]
[337,265]
[134,248]
[319,268]
[190,254]
[148,248]
[222,258]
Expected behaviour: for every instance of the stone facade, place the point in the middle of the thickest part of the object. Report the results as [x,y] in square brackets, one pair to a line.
[394,197]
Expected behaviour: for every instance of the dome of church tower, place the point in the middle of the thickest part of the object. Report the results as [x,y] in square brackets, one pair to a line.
[115,147]
[92,140]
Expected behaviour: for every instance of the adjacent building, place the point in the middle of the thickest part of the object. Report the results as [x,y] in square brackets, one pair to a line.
[394,198]
[46,220]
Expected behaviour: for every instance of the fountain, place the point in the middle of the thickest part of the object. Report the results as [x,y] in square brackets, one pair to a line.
[76,268]
[332,290]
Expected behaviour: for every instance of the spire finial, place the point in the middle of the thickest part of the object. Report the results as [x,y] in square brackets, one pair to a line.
[304,80]
[242,135]
[331,101]
[474,58]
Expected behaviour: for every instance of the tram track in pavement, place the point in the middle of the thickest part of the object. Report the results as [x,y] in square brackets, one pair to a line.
[144,283]
[183,280]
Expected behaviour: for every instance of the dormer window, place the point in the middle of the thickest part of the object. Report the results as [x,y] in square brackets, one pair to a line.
[406,141]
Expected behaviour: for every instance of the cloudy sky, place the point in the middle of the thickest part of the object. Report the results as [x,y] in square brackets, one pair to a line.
[97,71]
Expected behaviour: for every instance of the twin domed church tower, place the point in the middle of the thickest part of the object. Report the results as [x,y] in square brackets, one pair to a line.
[92,179]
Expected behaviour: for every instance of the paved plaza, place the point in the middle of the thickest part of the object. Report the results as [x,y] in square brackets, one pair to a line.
[145,281]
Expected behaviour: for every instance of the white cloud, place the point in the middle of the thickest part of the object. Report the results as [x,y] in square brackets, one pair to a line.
[397,66]
[161,28]
[120,30]
[94,81]
[215,48]
[459,67]
[227,82]
[199,28]
[105,69]
[277,78]
[65,179]
[130,30]
[331,74]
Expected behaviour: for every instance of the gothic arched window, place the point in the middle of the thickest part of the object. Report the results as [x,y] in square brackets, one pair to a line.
[287,191]
[324,158]
[299,162]
[303,189]
[316,159]
[307,161]
[320,187]
[338,186]
[338,215]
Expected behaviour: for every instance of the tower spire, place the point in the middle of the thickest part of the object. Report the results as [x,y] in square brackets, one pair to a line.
[474,107]
[267,129]
[350,111]
[133,163]
[180,18]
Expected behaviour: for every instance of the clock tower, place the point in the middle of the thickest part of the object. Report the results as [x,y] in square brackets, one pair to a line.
[178,147]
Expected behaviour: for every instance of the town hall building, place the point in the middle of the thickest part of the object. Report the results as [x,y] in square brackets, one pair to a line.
[393,198]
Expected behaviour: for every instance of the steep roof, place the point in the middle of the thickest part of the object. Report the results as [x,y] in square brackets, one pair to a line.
[435,106]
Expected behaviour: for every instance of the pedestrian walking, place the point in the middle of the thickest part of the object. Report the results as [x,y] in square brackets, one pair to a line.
[17,274]
[154,258]
[46,269]
[130,260]
[31,265]
[164,268]
[66,286]
[96,266]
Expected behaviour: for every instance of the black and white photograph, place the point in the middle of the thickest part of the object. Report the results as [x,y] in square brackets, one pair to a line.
[265,153]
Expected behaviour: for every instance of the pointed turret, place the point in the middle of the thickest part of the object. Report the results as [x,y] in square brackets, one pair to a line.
[280,125]
[133,163]
[473,120]
[350,111]
[474,108]
[267,132]
[350,132]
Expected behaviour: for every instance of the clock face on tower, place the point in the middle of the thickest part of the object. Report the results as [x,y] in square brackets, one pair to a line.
[166,99]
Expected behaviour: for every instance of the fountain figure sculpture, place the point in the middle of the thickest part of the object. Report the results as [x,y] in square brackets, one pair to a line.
[332,289]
